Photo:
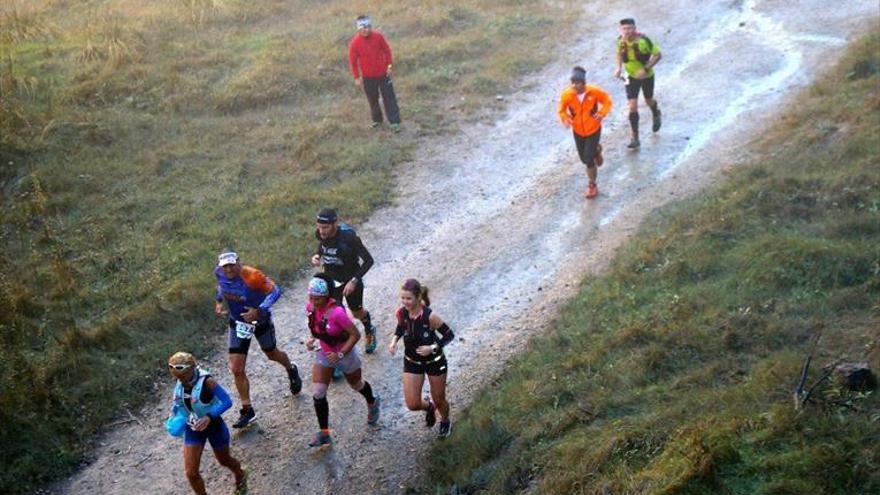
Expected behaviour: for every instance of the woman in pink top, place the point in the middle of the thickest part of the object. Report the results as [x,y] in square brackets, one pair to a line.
[337,338]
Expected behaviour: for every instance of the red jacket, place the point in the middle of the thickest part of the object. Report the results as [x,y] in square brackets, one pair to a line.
[371,53]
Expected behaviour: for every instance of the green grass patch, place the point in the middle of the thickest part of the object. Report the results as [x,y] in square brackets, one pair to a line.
[139,139]
[674,373]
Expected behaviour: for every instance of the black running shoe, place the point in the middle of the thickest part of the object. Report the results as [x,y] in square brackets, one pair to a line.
[633,144]
[430,416]
[657,122]
[296,383]
[445,429]
[247,415]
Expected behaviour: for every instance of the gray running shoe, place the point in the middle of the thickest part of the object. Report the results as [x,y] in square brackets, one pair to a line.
[320,439]
[373,410]
[633,144]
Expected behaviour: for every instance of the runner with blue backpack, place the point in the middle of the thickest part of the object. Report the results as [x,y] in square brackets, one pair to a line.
[196,415]
[638,55]
[346,260]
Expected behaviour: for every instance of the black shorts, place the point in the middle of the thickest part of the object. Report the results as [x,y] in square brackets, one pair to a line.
[355,300]
[646,85]
[433,368]
[264,333]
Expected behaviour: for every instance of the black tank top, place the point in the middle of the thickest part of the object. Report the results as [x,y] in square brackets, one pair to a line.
[417,333]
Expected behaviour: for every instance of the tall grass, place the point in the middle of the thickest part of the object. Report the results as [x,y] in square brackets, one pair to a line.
[674,372]
[139,138]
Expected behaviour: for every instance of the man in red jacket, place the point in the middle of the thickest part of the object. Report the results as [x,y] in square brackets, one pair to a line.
[370,59]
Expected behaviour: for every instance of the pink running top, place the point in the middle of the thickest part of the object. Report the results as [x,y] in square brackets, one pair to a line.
[337,322]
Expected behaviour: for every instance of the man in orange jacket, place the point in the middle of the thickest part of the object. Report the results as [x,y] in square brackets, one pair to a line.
[582,107]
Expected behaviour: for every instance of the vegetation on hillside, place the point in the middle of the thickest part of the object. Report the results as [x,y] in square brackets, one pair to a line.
[138,139]
[674,372]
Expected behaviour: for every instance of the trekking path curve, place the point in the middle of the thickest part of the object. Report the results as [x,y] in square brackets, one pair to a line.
[493,220]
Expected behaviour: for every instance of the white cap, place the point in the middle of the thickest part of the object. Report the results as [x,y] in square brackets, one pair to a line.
[229,258]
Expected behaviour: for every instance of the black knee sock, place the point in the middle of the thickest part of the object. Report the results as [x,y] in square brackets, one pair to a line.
[367,392]
[322,409]
[634,123]
[368,323]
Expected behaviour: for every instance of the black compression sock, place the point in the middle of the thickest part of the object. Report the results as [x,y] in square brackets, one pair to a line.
[367,392]
[654,108]
[634,122]
[322,409]
[368,323]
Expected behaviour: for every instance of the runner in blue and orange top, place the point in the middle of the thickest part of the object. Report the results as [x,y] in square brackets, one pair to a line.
[337,336]
[249,295]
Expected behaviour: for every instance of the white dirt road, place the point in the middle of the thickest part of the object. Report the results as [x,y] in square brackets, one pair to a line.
[494,221]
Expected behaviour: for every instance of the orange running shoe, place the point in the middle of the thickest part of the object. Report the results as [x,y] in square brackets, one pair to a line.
[592,191]
[599,159]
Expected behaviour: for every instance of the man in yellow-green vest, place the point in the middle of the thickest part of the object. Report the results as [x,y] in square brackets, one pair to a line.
[638,55]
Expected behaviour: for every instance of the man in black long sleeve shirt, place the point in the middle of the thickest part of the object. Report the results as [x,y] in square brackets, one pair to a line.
[346,260]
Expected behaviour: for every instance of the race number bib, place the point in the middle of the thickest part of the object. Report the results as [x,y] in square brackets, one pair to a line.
[244,330]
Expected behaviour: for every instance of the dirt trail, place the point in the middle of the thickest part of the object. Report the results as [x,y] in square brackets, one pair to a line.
[494,222]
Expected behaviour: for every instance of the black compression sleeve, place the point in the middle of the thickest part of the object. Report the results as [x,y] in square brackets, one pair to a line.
[207,395]
[399,330]
[364,255]
[447,334]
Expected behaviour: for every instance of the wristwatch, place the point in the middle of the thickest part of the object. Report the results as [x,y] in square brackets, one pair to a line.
[340,354]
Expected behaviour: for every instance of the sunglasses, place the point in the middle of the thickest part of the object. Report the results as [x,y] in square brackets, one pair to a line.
[179,367]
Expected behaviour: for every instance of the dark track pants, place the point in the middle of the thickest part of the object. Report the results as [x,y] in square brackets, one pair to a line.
[586,147]
[372,87]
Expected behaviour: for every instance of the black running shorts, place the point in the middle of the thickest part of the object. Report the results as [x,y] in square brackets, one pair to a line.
[646,85]
[434,368]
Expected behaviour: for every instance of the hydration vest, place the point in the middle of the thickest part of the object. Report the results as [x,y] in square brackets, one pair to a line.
[197,407]
[417,332]
[323,336]
[641,56]
[340,261]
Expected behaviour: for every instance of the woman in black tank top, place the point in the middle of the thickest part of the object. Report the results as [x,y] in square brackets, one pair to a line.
[424,336]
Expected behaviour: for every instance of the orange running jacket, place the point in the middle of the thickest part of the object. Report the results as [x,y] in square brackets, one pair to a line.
[580,115]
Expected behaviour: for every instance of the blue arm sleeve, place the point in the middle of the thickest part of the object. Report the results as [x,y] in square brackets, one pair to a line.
[224,404]
[218,295]
[270,298]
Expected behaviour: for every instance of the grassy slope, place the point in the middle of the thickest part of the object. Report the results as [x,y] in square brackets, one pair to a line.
[674,372]
[139,139]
